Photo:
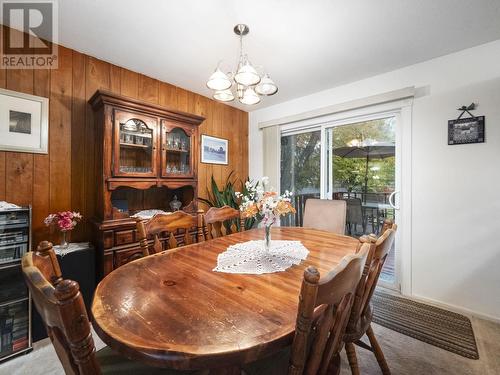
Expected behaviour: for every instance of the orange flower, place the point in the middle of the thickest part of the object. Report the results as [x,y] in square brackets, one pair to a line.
[284,208]
[291,208]
[268,194]
[250,211]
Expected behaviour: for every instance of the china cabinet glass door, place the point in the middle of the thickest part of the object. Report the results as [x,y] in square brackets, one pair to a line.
[176,152]
[135,137]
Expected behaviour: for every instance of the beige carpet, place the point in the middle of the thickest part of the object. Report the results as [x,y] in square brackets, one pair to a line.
[407,356]
[404,356]
[41,361]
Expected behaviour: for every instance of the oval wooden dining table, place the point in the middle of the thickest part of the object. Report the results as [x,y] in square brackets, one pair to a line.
[171,310]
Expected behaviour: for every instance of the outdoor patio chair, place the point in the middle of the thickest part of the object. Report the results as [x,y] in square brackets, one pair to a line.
[354,216]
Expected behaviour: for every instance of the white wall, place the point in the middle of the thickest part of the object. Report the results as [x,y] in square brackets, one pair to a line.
[455,189]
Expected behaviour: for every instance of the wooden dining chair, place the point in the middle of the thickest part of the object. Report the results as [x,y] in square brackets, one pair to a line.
[361,314]
[220,221]
[60,305]
[170,224]
[323,312]
[325,214]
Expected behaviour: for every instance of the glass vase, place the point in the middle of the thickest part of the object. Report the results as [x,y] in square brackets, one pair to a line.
[267,239]
[64,242]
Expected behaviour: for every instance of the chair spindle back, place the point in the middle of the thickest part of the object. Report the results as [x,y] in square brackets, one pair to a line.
[221,221]
[62,310]
[324,308]
[169,223]
[373,268]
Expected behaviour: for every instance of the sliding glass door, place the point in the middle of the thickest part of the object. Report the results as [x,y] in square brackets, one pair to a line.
[361,170]
[300,170]
[355,161]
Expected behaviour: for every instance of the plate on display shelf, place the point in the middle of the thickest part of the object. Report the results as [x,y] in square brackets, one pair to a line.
[148,214]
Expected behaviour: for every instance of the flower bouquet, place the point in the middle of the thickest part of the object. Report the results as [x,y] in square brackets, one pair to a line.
[65,221]
[265,205]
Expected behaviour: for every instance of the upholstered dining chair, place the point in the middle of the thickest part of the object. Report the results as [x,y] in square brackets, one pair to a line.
[323,312]
[220,221]
[169,223]
[325,214]
[60,305]
[361,314]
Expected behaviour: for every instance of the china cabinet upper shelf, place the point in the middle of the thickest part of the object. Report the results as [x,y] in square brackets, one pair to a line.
[146,141]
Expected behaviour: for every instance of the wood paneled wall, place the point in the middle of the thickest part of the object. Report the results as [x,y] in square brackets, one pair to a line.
[59,180]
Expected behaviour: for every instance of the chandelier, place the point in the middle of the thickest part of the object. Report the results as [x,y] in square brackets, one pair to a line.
[246,84]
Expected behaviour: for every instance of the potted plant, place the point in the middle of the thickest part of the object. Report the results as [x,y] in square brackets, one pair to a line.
[226,196]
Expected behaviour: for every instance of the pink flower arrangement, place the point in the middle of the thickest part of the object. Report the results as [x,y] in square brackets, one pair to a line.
[65,220]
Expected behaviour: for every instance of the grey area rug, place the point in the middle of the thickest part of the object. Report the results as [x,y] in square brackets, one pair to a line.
[444,329]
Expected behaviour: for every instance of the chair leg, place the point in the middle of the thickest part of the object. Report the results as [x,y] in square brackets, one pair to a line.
[334,366]
[351,357]
[377,350]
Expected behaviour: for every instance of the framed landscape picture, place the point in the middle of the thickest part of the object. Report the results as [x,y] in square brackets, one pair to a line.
[24,122]
[214,150]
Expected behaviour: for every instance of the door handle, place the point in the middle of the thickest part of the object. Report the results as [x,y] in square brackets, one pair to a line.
[392,200]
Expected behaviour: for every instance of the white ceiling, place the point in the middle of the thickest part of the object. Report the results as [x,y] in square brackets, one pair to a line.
[306,46]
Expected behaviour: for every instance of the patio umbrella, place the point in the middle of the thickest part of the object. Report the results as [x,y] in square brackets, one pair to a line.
[367,150]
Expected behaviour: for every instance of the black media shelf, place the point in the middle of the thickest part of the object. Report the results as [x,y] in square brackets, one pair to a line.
[15,301]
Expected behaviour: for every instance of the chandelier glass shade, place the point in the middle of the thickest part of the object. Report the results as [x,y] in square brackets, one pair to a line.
[247,75]
[219,81]
[266,86]
[247,84]
[224,95]
[250,97]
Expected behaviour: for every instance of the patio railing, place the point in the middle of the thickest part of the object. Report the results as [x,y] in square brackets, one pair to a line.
[299,202]
[365,197]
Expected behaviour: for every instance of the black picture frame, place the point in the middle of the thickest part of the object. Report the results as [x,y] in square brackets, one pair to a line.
[466,130]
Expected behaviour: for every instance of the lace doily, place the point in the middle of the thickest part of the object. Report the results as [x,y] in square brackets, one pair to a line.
[7,206]
[72,246]
[251,257]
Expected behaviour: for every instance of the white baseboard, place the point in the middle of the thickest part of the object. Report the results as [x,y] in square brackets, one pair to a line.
[457,309]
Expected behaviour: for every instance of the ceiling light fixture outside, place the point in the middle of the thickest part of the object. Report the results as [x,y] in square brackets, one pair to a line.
[248,83]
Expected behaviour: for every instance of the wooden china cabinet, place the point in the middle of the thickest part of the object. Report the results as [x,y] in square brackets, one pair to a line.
[145,157]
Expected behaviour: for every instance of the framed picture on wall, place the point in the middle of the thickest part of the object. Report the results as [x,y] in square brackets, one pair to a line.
[466,130]
[214,150]
[24,122]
